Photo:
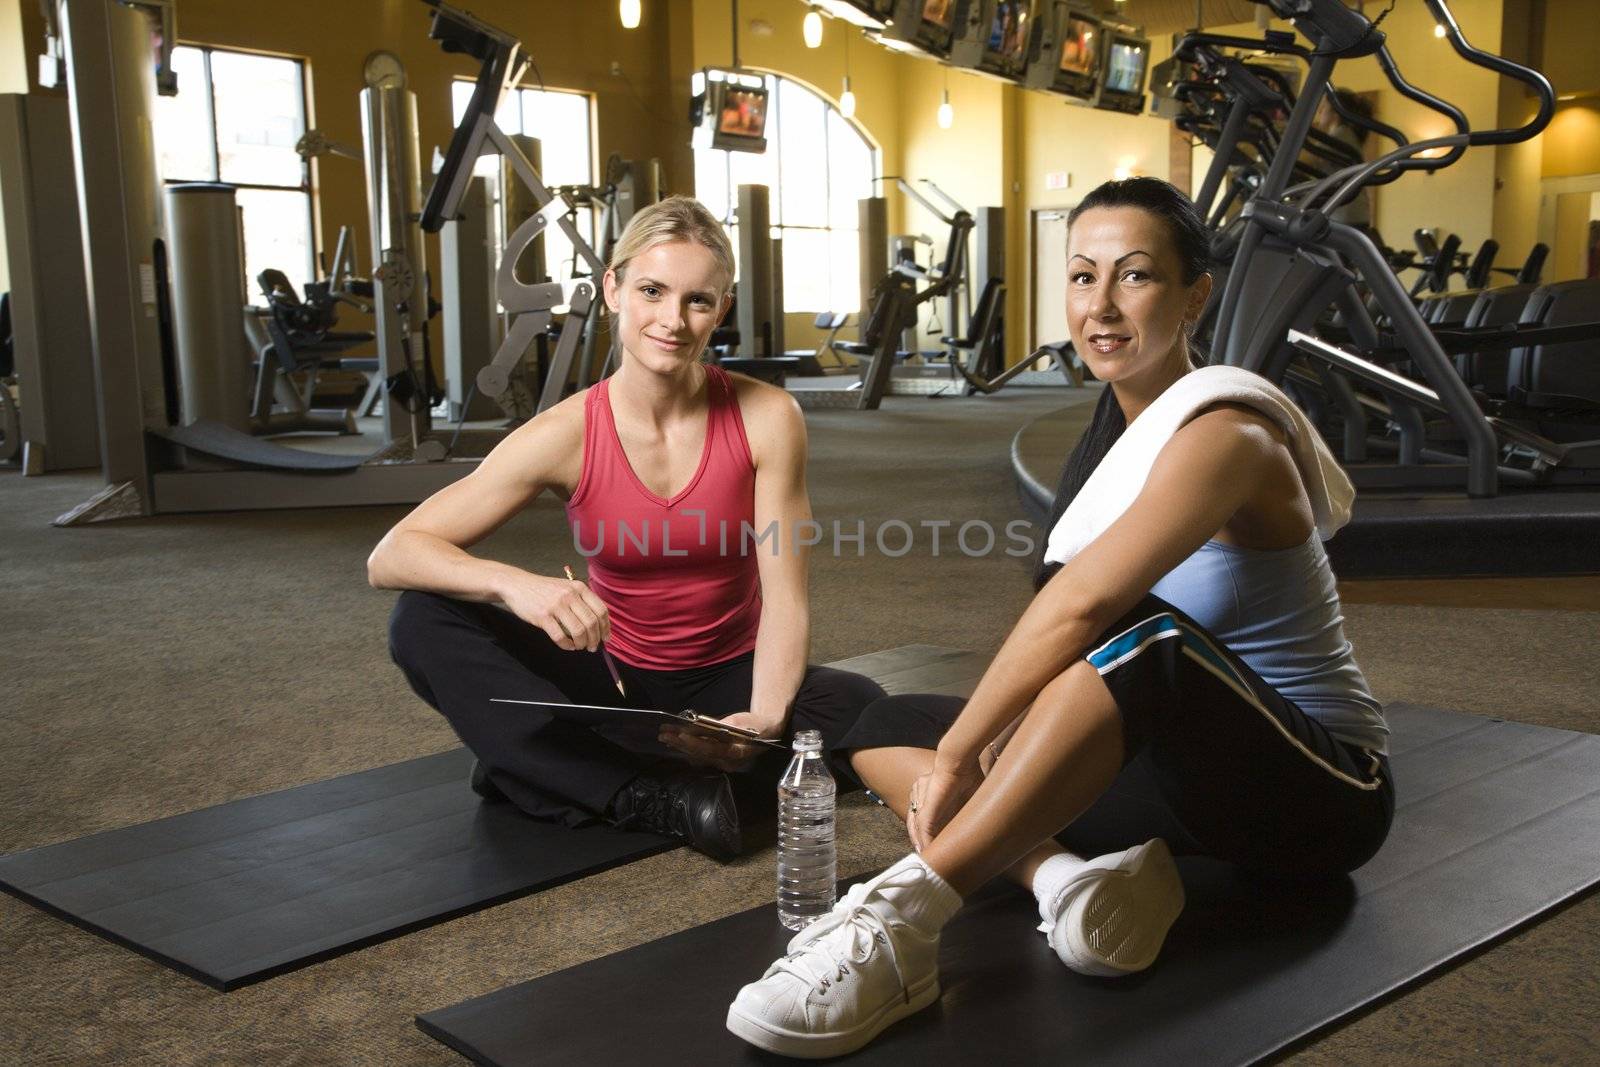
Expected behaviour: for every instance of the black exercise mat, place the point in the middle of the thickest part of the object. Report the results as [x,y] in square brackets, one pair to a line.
[1498,823]
[242,891]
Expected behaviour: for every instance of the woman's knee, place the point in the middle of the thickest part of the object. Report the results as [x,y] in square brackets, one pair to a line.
[413,624]
[833,698]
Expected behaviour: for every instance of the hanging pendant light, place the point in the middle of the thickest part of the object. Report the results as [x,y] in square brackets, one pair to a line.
[947,114]
[847,99]
[629,10]
[811,29]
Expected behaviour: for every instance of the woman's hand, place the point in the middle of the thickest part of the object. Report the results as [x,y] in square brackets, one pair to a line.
[935,799]
[725,753]
[565,609]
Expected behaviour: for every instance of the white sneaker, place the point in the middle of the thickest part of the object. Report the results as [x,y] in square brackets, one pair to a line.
[1112,918]
[847,977]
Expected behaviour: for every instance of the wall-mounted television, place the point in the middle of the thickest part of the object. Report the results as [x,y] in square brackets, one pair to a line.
[869,14]
[995,37]
[1125,58]
[1066,52]
[728,110]
[926,26]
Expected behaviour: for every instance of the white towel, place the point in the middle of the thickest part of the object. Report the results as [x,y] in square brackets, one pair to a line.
[1121,475]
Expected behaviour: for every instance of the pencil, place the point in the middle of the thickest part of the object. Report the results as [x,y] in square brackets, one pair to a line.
[611,664]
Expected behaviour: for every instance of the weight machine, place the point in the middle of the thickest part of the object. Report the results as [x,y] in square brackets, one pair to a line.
[530,305]
[153,463]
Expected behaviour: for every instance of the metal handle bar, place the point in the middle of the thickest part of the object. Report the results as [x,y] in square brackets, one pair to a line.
[1281,44]
[1371,125]
[1459,141]
[1357,175]
[1392,71]
[1500,65]
[1202,48]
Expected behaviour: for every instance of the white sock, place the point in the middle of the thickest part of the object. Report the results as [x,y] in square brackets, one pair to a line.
[1052,877]
[926,903]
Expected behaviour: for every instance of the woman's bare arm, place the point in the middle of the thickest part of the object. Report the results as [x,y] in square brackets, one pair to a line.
[428,549]
[1205,473]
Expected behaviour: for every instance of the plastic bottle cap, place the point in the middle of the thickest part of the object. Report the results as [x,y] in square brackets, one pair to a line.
[808,741]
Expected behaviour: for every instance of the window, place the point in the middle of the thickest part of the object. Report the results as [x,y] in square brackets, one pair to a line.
[236,119]
[817,165]
[561,122]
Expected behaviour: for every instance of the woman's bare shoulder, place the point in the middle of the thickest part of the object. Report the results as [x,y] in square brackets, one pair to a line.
[772,419]
[548,448]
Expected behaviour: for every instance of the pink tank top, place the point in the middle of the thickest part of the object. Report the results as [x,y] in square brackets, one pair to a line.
[674,574]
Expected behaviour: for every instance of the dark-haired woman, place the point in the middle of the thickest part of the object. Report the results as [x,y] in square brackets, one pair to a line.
[1181,676]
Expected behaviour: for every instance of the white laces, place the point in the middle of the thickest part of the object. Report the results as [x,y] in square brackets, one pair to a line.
[819,960]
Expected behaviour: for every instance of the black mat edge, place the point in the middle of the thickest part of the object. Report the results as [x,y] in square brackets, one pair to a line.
[444,1038]
[1422,977]
[229,985]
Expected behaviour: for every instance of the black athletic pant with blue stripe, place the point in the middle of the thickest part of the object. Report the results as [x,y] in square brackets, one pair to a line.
[1215,760]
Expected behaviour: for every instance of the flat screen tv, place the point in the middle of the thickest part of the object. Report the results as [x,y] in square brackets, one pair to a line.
[728,110]
[870,14]
[739,117]
[996,37]
[926,26]
[1125,59]
[1066,55]
[1006,51]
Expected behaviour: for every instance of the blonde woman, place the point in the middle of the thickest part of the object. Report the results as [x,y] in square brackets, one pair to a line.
[670,470]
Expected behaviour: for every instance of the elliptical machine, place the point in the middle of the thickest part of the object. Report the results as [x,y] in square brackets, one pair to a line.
[1293,263]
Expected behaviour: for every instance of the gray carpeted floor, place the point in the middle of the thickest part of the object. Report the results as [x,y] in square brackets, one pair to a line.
[159,666]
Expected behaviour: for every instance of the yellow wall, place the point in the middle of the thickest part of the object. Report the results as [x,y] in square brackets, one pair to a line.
[1572,141]
[13,52]
[1516,167]
[974,161]
[1571,43]
[877,77]
[1091,146]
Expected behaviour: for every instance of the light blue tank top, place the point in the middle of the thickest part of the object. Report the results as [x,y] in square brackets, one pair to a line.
[1278,611]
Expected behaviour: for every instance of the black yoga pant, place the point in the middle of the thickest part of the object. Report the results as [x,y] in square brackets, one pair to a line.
[459,656]
[1215,760]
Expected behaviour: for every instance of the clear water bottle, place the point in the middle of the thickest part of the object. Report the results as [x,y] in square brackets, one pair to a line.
[808,868]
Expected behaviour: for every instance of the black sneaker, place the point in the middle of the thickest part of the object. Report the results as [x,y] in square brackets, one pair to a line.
[478,781]
[694,805]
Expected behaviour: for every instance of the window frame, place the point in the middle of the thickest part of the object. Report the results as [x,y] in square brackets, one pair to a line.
[728,214]
[591,154]
[307,186]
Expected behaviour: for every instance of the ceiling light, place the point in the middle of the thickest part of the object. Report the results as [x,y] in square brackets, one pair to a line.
[811,29]
[847,100]
[947,114]
[629,10]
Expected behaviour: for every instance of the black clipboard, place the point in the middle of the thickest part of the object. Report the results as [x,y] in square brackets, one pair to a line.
[638,728]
